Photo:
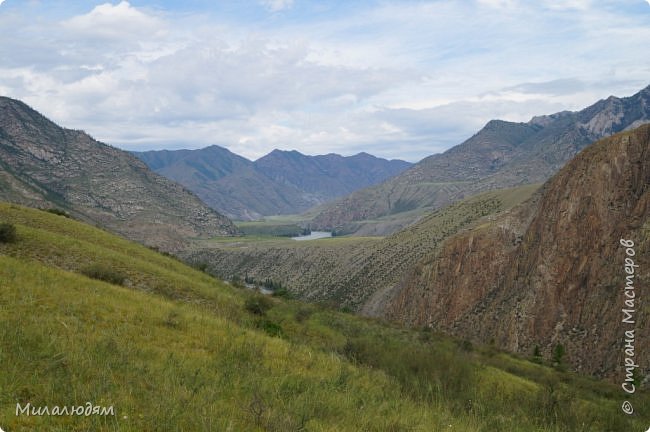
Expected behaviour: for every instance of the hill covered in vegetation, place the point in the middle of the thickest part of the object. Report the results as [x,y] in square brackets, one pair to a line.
[90,317]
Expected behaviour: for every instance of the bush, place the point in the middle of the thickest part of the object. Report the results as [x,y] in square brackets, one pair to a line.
[7,233]
[270,328]
[555,402]
[258,304]
[282,292]
[303,314]
[558,356]
[58,212]
[201,266]
[173,320]
[466,345]
[104,273]
[237,282]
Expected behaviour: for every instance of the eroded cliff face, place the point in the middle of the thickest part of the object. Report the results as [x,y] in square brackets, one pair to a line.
[550,271]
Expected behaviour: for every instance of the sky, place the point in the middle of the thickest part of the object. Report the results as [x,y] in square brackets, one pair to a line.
[397,79]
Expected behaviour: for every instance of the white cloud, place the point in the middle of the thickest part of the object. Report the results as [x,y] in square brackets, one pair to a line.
[114,22]
[398,80]
[277,5]
[568,4]
[498,3]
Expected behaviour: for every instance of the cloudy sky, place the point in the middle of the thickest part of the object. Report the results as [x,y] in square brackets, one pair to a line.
[398,79]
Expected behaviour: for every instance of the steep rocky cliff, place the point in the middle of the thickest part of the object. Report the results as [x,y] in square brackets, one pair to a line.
[550,271]
[44,165]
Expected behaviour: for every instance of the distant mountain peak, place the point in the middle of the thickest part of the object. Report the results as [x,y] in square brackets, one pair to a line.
[281,182]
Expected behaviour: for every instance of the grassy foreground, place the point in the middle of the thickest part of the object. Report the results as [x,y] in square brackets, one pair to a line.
[175,350]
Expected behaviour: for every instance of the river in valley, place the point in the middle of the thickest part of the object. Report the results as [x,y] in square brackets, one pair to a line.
[314,235]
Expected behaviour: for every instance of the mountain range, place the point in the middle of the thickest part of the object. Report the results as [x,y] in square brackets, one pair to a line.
[46,166]
[282,182]
[502,154]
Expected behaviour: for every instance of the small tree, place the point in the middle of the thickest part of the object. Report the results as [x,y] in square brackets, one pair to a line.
[7,233]
[558,355]
[537,355]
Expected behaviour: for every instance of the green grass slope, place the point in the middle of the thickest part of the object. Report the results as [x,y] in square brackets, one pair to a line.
[176,350]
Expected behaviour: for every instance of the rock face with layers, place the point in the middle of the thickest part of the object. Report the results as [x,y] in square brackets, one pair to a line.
[551,271]
[44,165]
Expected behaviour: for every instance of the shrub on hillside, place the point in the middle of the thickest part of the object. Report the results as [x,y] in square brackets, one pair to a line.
[58,212]
[200,266]
[270,328]
[7,233]
[537,355]
[258,304]
[282,292]
[104,273]
[303,313]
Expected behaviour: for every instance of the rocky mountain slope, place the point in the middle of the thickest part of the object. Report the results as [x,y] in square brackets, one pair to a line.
[348,271]
[551,271]
[44,165]
[502,154]
[282,182]
[225,181]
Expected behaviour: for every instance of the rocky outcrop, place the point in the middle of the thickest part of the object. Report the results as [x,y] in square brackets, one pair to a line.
[44,165]
[550,271]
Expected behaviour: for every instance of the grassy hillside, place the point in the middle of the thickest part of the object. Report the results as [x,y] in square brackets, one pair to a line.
[174,349]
